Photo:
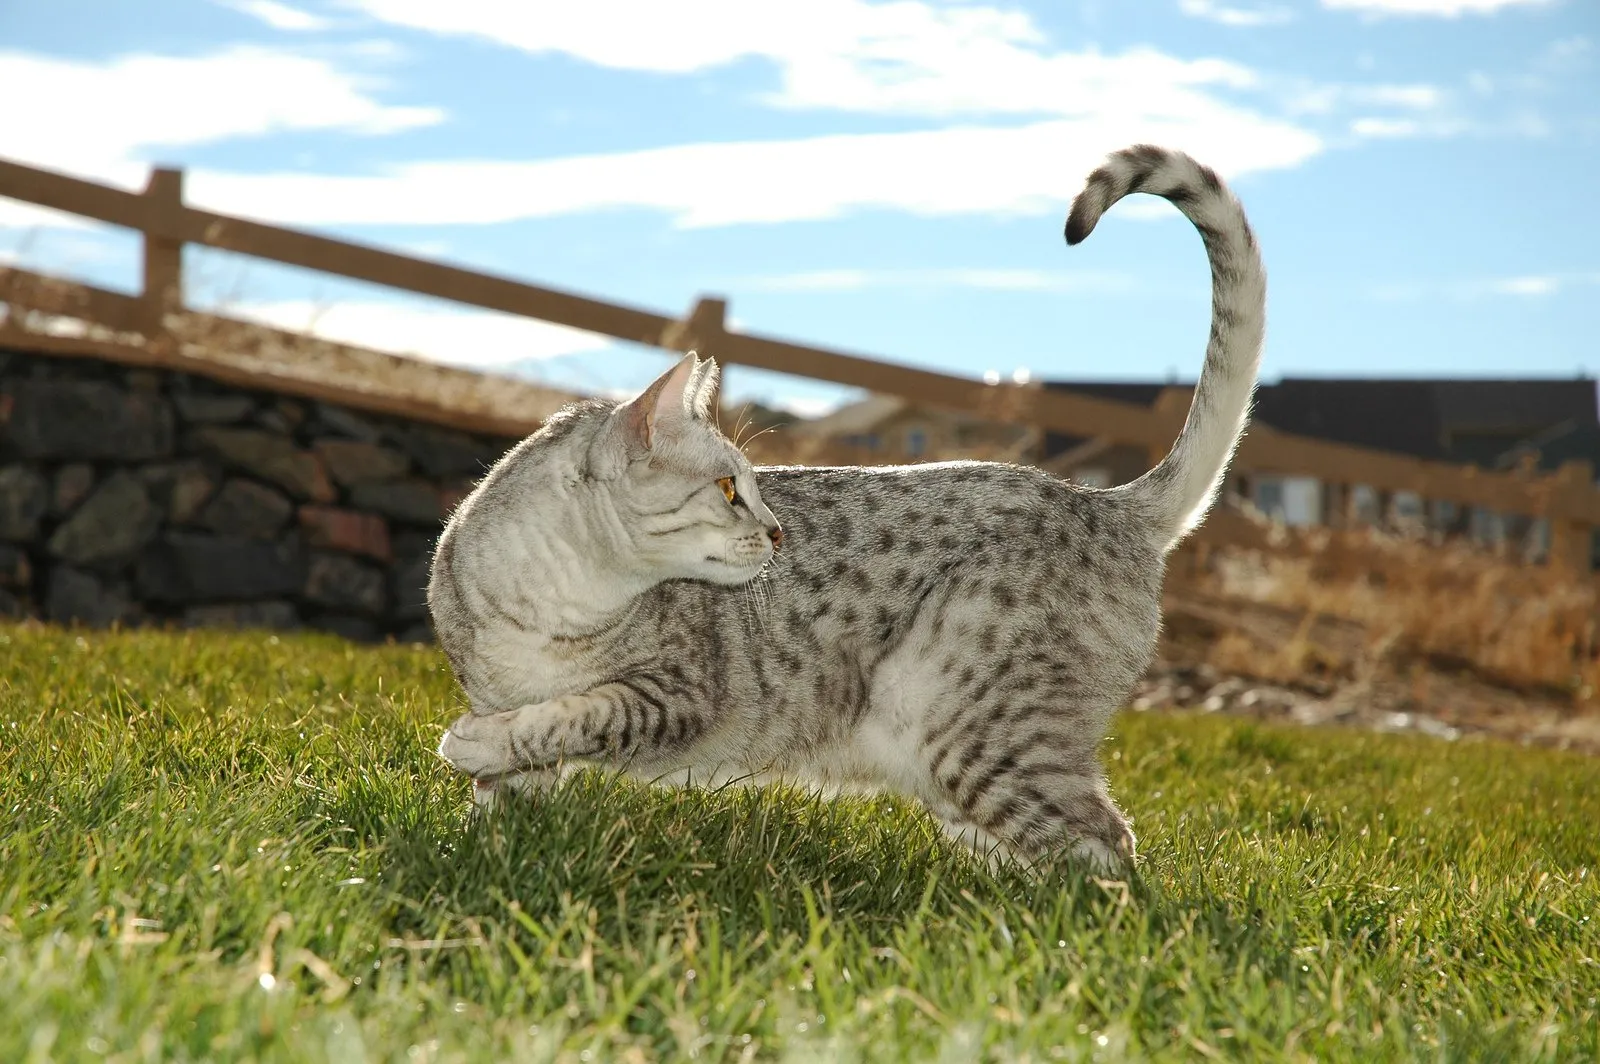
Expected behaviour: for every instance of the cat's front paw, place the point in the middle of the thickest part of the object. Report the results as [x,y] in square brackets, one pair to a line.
[481,745]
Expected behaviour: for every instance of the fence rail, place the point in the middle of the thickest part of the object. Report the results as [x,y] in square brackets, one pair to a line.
[1568,499]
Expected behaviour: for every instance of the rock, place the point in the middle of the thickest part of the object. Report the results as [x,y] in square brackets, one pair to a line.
[285,416]
[190,567]
[74,596]
[71,487]
[68,420]
[270,456]
[409,544]
[24,498]
[11,607]
[357,629]
[201,409]
[346,530]
[414,501]
[274,421]
[445,453]
[245,508]
[112,524]
[342,583]
[15,569]
[342,422]
[293,411]
[417,633]
[273,613]
[181,487]
[356,462]
[408,584]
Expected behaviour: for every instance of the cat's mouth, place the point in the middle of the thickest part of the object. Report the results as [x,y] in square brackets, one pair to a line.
[742,570]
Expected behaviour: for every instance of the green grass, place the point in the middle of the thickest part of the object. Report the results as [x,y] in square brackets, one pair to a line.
[240,847]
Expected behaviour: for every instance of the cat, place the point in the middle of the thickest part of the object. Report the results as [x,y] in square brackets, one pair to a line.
[623,588]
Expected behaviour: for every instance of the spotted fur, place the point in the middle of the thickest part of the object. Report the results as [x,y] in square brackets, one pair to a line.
[960,632]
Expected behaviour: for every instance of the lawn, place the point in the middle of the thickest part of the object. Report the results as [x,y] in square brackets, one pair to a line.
[240,847]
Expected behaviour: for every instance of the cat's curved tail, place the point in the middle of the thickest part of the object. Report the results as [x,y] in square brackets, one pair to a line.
[1179,491]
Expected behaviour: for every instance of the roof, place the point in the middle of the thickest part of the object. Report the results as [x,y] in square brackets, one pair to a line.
[1417,416]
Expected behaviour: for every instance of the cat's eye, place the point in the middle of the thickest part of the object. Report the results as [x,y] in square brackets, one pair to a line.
[726,484]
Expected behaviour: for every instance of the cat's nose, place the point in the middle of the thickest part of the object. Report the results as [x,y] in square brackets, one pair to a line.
[776,534]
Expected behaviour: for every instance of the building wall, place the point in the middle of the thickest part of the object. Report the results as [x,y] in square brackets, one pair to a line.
[149,497]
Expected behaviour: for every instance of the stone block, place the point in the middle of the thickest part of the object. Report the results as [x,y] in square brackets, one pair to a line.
[442,452]
[344,585]
[111,525]
[181,487]
[202,409]
[187,567]
[246,508]
[417,633]
[356,629]
[346,530]
[412,501]
[71,486]
[24,498]
[270,456]
[274,613]
[16,570]
[357,462]
[70,420]
[343,422]
[408,583]
[73,596]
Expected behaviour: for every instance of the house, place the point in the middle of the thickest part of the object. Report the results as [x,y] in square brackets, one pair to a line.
[896,429]
[1491,423]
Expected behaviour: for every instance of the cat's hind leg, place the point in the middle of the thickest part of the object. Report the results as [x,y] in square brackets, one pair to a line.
[1033,793]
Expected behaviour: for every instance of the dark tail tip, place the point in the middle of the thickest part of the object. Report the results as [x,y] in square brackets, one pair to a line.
[1079,223]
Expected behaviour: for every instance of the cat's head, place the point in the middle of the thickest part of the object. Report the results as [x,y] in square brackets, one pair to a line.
[669,494]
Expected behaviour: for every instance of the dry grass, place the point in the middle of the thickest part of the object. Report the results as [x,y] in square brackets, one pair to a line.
[1416,605]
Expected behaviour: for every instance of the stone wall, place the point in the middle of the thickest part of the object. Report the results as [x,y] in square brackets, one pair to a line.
[140,496]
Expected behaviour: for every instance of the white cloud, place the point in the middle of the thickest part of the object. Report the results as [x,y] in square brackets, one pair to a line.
[1327,99]
[907,57]
[1025,169]
[1243,17]
[279,16]
[108,120]
[456,337]
[1526,286]
[1017,280]
[1428,8]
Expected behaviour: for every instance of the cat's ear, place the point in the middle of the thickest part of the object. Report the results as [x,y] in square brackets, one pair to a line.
[703,389]
[662,406]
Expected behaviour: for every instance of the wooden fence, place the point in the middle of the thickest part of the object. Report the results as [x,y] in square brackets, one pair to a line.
[1568,499]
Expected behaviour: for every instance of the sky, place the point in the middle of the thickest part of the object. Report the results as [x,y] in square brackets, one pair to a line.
[887,178]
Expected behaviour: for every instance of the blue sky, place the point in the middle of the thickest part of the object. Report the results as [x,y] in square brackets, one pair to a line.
[887,178]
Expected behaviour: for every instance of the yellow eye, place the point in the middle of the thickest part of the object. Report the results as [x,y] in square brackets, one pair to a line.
[726,484]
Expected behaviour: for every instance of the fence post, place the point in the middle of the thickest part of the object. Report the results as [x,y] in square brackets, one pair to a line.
[1571,543]
[163,257]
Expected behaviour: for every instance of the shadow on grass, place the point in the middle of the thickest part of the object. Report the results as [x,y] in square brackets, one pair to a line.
[761,859]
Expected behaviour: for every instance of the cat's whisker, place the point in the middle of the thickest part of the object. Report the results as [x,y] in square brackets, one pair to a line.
[755,437]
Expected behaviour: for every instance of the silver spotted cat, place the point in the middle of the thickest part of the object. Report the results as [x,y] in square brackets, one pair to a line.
[624,588]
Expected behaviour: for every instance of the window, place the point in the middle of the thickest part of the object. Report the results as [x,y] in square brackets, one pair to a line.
[1269,496]
[916,442]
